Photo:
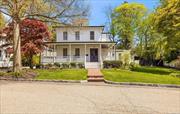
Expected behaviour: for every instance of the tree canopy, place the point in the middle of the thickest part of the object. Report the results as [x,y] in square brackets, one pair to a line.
[126,19]
[50,11]
[33,33]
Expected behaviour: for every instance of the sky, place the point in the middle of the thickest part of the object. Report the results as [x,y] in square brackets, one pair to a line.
[97,8]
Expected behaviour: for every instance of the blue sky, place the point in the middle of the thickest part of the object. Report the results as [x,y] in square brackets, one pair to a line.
[97,12]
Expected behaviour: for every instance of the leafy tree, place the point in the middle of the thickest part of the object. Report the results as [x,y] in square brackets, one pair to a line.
[56,11]
[126,19]
[33,33]
[152,45]
[2,21]
[167,21]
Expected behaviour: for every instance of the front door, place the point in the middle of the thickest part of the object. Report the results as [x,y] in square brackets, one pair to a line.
[93,55]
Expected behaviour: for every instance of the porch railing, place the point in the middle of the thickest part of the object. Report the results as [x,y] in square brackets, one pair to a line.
[51,59]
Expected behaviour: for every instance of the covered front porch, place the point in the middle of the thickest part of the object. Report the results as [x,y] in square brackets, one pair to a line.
[88,53]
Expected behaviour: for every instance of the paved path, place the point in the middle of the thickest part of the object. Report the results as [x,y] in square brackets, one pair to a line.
[95,75]
[89,98]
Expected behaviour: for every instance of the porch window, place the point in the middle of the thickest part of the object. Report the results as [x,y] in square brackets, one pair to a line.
[91,35]
[77,35]
[64,52]
[77,52]
[65,35]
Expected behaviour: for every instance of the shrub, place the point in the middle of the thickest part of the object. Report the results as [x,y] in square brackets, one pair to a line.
[65,65]
[72,65]
[80,65]
[112,64]
[175,63]
[57,64]
[39,66]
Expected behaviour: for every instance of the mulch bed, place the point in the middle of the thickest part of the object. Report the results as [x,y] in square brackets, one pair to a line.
[25,75]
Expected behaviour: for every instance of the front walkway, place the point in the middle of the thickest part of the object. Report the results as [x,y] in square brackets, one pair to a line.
[95,75]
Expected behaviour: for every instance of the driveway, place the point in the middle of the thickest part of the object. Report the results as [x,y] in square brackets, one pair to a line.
[56,98]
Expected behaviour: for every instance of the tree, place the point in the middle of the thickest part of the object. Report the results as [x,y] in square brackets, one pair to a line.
[56,11]
[109,25]
[167,21]
[126,19]
[151,44]
[2,21]
[33,33]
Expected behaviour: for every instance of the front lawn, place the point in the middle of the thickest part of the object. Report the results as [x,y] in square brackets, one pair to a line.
[118,75]
[65,74]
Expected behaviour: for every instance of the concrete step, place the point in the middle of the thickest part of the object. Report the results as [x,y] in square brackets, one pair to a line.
[95,79]
[95,76]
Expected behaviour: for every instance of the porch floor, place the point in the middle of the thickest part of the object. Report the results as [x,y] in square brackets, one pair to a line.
[95,75]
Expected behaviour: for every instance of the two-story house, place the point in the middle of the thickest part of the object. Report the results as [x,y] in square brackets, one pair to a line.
[87,44]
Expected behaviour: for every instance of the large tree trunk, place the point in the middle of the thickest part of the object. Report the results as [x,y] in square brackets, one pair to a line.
[17,48]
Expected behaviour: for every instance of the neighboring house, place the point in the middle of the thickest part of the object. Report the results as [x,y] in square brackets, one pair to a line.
[85,44]
[4,56]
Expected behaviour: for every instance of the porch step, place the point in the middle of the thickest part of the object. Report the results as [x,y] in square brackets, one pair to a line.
[90,65]
[95,75]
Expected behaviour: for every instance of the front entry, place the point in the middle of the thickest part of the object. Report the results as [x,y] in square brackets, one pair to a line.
[94,55]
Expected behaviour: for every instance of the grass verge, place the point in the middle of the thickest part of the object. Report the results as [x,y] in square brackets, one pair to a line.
[119,75]
[64,74]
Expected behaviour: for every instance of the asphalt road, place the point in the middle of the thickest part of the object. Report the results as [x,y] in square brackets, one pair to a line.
[57,98]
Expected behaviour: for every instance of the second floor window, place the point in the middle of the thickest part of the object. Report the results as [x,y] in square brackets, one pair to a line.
[64,52]
[77,52]
[77,35]
[91,35]
[65,35]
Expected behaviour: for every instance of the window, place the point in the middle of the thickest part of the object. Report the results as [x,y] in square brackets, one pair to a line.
[77,52]
[0,53]
[91,35]
[64,52]
[77,35]
[65,35]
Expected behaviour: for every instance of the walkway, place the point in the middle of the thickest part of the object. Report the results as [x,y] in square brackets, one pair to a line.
[95,75]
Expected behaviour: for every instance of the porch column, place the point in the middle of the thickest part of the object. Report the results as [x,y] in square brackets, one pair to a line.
[85,55]
[54,58]
[70,53]
[100,56]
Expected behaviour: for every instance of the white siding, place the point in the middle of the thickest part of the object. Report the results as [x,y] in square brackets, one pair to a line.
[84,34]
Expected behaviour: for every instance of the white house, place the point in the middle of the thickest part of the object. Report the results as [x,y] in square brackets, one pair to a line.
[4,56]
[87,44]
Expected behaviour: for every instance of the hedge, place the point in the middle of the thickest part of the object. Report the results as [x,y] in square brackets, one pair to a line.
[112,64]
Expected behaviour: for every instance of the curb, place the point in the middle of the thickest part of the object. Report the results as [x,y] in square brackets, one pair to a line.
[142,84]
[62,81]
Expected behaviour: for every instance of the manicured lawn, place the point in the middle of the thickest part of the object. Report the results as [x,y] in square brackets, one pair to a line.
[156,70]
[65,74]
[143,77]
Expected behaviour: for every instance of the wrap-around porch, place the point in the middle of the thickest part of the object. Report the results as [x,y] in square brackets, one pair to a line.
[78,52]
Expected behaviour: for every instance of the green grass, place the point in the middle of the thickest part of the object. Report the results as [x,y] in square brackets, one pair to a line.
[65,74]
[132,76]
[155,70]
